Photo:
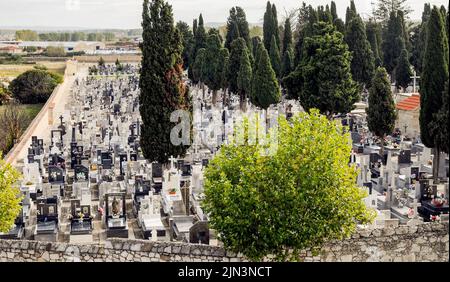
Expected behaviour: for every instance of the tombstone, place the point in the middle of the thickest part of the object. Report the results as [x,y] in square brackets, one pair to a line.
[80,222]
[404,157]
[115,216]
[55,174]
[199,233]
[46,220]
[81,173]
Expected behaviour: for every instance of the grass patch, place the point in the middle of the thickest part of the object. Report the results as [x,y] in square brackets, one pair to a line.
[31,110]
[12,71]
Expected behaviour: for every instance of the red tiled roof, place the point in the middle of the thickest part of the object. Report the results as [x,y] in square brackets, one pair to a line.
[409,104]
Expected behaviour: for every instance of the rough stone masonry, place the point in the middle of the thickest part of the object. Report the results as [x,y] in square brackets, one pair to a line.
[424,242]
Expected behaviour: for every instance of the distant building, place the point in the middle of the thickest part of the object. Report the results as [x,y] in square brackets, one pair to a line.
[408,115]
[10,49]
[76,46]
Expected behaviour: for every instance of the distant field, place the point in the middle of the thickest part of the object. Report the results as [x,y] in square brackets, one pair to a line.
[12,71]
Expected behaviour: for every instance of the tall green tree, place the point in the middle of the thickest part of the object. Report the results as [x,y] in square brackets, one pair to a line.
[162,90]
[337,22]
[363,64]
[287,36]
[373,33]
[381,113]
[275,58]
[237,26]
[238,47]
[307,18]
[386,7]
[188,42]
[393,43]
[198,70]
[440,119]
[270,26]
[213,66]
[350,13]
[255,42]
[299,197]
[265,88]
[419,38]
[323,79]
[276,29]
[287,64]
[244,78]
[433,79]
[403,71]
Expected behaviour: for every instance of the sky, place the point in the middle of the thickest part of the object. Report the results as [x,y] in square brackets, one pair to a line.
[125,14]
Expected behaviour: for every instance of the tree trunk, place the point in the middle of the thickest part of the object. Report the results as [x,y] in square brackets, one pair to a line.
[214,97]
[436,161]
[203,90]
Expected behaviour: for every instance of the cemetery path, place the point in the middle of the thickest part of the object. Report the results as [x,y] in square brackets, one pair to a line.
[46,118]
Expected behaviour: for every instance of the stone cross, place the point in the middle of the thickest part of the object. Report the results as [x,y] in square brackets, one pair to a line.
[414,77]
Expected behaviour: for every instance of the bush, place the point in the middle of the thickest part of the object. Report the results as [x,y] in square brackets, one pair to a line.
[9,195]
[33,86]
[296,198]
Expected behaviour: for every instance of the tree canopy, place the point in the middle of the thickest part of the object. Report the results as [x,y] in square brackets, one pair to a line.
[34,86]
[9,195]
[323,79]
[298,197]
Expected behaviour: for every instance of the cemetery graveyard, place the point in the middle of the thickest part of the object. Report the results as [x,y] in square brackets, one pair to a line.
[86,180]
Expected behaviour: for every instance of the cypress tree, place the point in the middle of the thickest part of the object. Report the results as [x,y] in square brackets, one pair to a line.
[438,128]
[255,42]
[287,64]
[197,69]
[237,26]
[200,36]
[276,31]
[268,28]
[418,44]
[194,27]
[403,70]
[244,78]
[362,64]
[224,57]
[213,66]
[323,78]
[393,43]
[287,37]
[188,42]
[265,88]
[433,79]
[162,90]
[275,59]
[373,33]
[234,64]
[333,11]
[381,113]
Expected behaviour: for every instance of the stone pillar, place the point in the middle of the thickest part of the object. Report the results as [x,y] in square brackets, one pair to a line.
[50,113]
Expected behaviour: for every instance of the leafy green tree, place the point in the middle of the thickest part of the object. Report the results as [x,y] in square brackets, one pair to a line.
[363,63]
[298,197]
[237,26]
[403,70]
[161,82]
[101,62]
[33,86]
[224,58]
[234,64]
[188,42]
[287,64]
[433,79]
[323,79]
[275,59]
[393,42]
[350,12]
[265,88]
[381,113]
[244,78]
[9,195]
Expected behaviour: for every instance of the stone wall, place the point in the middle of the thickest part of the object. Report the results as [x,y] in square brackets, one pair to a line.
[425,242]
